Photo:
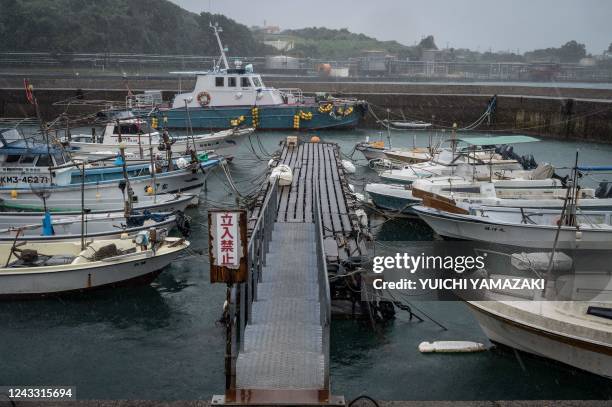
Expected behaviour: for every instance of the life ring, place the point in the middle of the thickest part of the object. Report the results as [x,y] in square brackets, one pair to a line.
[204,98]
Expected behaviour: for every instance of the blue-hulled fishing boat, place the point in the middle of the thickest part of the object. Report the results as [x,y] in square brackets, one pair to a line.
[228,97]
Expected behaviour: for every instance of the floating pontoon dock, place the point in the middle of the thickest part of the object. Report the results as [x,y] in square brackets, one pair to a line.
[279,349]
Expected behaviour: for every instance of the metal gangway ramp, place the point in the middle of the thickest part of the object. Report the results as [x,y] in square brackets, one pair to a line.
[280,338]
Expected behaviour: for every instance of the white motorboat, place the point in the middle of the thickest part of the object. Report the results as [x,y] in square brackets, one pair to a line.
[372,150]
[573,325]
[560,330]
[409,155]
[138,137]
[31,182]
[588,231]
[152,203]
[53,268]
[87,226]
[524,192]
[479,153]
[407,124]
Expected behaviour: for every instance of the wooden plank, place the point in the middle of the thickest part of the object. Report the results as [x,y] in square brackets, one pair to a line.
[284,191]
[341,186]
[299,209]
[308,194]
[296,165]
[330,171]
[321,186]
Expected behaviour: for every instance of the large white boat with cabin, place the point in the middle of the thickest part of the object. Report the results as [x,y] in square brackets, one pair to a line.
[139,139]
[232,96]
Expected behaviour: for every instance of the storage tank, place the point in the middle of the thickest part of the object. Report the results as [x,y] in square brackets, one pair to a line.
[281,62]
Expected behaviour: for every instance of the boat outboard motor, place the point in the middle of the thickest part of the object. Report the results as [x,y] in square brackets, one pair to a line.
[528,162]
[508,152]
[182,223]
[604,190]
[560,178]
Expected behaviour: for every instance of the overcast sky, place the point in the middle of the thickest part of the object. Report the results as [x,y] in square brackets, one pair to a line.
[475,24]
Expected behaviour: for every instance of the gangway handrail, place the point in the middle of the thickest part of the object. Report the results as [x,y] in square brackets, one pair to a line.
[324,289]
[257,248]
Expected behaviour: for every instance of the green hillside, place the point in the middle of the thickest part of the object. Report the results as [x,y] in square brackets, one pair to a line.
[130,26]
[320,42]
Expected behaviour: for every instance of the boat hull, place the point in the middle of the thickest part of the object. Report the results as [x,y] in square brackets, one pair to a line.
[269,117]
[594,358]
[533,236]
[400,200]
[140,269]
[222,144]
[108,226]
[105,195]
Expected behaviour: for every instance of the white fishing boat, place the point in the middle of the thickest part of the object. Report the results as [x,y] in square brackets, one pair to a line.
[152,203]
[570,322]
[409,155]
[529,189]
[565,331]
[407,124]
[53,227]
[588,231]
[53,268]
[138,137]
[372,150]
[479,153]
[38,177]
[379,151]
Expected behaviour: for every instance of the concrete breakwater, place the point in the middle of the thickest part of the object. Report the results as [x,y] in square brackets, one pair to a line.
[564,113]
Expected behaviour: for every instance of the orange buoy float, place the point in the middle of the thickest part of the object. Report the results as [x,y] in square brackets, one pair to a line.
[315,139]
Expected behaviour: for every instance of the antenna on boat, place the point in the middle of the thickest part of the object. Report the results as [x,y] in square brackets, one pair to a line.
[218,30]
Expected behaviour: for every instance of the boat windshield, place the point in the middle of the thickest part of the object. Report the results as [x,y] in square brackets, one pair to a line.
[10,135]
[132,128]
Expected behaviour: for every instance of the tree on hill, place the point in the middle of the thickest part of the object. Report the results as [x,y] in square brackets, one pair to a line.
[571,51]
[428,43]
[321,42]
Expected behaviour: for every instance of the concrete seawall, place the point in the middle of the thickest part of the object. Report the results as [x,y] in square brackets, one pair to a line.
[564,113]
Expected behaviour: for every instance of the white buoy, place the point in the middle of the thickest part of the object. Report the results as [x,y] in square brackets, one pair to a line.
[348,166]
[451,347]
[283,173]
[361,197]
[362,216]
[182,163]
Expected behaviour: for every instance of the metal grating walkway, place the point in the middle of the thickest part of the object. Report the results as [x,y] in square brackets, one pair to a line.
[283,340]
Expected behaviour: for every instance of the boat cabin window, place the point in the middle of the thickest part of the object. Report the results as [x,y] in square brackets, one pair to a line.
[27,159]
[256,82]
[231,82]
[43,161]
[219,81]
[128,129]
[244,82]
[12,158]
[59,159]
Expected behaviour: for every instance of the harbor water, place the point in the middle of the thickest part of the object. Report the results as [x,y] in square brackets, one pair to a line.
[163,341]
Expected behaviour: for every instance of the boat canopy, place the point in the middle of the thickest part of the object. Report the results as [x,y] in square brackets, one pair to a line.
[496,140]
